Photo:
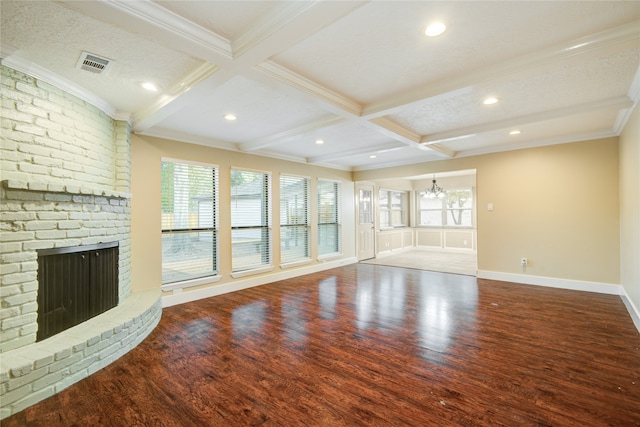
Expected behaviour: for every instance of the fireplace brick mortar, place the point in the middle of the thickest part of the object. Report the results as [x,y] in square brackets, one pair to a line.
[64,181]
[33,373]
[32,220]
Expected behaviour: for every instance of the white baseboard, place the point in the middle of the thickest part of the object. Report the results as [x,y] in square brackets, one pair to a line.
[552,282]
[445,250]
[576,285]
[631,307]
[237,285]
[393,252]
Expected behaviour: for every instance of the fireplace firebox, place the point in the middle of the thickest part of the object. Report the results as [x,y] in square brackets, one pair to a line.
[74,285]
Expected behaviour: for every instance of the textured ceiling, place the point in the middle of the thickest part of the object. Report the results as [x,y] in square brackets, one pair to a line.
[361,76]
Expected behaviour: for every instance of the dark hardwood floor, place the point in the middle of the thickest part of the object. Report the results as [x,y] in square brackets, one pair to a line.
[367,345]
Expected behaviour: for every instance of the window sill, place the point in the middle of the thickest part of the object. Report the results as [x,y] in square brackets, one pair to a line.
[190,283]
[447,227]
[328,257]
[296,263]
[244,273]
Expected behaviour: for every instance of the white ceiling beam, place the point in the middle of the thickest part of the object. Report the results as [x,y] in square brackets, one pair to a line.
[355,152]
[400,133]
[190,138]
[283,136]
[160,24]
[285,25]
[162,108]
[507,69]
[303,84]
[619,102]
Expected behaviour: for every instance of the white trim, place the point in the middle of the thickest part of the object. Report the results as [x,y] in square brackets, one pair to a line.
[190,283]
[43,74]
[253,271]
[444,250]
[305,85]
[624,115]
[296,263]
[634,312]
[553,282]
[176,25]
[170,300]
[188,162]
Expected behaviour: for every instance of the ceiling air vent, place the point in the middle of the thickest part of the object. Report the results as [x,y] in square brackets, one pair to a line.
[94,63]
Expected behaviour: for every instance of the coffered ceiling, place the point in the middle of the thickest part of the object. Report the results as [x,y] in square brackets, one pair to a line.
[361,76]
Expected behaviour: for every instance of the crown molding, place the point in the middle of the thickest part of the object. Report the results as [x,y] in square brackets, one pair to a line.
[275,20]
[223,145]
[355,152]
[555,140]
[45,75]
[621,102]
[286,24]
[634,95]
[507,69]
[281,137]
[189,138]
[144,118]
[174,30]
[395,130]
[305,85]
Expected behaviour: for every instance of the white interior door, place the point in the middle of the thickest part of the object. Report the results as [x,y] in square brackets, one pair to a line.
[366,228]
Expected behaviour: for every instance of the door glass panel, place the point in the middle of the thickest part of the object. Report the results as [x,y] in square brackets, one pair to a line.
[366,215]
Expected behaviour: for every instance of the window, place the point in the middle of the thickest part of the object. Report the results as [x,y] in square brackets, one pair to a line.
[393,208]
[294,218]
[328,217]
[454,210]
[189,194]
[250,220]
[459,205]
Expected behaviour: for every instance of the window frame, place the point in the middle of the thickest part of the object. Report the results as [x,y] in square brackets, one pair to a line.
[390,209]
[336,217]
[444,210]
[214,228]
[286,225]
[266,231]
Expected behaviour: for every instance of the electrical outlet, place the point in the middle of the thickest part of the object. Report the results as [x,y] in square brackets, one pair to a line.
[523,262]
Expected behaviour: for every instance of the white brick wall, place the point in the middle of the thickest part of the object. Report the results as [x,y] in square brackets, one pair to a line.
[33,373]
[65,177]
[64,181]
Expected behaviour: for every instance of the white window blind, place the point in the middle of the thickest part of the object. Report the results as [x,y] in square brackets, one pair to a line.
[294,218]
[250,220]
[189,194]
[328,217]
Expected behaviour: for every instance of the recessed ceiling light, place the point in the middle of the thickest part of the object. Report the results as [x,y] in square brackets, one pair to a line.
[319,141]
[514,132]
[373,156]
[490,101]
[435,29]
[150,86]
[230,117]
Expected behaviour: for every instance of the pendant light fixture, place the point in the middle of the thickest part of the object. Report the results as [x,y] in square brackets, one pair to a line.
[435,190]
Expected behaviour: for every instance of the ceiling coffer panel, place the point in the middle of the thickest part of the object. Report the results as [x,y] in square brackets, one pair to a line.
[359,75]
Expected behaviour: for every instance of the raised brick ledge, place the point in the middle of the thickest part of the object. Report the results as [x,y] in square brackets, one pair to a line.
[34,372]
[14,184]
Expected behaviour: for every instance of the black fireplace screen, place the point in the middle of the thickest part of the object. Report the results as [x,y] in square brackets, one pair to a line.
[74,285]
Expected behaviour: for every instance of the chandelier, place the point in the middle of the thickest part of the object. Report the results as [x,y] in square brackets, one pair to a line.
[435,191]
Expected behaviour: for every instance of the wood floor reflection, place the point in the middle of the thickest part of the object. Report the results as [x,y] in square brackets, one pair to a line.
[368,345]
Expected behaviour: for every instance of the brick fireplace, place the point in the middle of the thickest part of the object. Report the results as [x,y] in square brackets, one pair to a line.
[65,182]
